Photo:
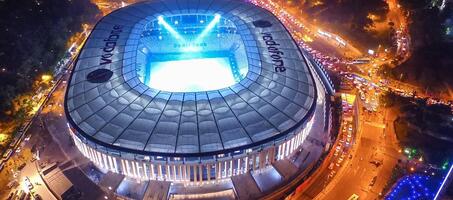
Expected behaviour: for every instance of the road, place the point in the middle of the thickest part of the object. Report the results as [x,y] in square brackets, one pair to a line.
[375,144]
[31,171]
[302,30]
[375,141]
[339,156]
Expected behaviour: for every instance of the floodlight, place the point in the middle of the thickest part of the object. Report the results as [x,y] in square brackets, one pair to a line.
[208,27]
[170,29]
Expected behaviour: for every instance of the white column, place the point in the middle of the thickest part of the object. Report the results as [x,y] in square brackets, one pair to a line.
[153,175]
[145,171]
[159,171]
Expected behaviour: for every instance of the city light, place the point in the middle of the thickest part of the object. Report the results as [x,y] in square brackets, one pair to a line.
[46,78]
[3,137]
[307,38]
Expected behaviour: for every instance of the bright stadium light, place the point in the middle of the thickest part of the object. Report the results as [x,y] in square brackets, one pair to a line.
[169,28]
[160,19]
[208,27]
[184,75]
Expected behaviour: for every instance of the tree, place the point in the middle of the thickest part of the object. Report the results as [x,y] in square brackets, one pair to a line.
[34,35]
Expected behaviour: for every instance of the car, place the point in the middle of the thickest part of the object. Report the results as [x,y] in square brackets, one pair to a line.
[336,153]
[8,154]
[331,166]
[338,148]
[339,161]
[376,163]
[362,97]
[373,181]
[348,140]
[11,196]
[2,165]
[12,184]
[20,167]
[353,197]
[28,183]
[332,173]
[21,195]
[37,196]
[27,196]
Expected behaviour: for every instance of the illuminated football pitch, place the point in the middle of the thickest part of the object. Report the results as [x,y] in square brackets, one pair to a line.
[207,58]
[192,75]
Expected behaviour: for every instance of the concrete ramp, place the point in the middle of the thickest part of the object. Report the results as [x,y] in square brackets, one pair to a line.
[246,187]
[157,190]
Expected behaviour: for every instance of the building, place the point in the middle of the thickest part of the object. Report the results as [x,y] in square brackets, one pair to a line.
[59,184]
[190,91]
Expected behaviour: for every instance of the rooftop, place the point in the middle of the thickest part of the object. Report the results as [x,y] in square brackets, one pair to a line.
[272,94]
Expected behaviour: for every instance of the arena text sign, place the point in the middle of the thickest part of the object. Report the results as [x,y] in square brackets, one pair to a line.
[274,52]
[110,44]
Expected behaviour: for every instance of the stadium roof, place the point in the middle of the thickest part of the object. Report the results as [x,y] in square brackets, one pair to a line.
[109,105]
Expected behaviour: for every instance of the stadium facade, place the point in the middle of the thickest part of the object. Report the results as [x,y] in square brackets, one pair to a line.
[189,91]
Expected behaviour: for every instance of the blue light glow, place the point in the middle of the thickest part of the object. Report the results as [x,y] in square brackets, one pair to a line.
[414,186]
[191,75]
[208,27]
[191,53]
[169,28]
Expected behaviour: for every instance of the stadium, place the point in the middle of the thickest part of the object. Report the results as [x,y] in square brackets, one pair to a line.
[191,91]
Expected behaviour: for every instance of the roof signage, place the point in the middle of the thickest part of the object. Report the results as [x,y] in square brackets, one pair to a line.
[274,51]
[110,44]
